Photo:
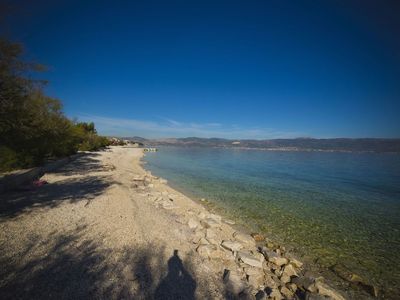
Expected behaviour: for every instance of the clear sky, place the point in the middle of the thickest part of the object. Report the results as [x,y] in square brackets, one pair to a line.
[235,69]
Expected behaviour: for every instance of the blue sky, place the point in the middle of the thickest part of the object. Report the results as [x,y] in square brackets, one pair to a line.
[234,69]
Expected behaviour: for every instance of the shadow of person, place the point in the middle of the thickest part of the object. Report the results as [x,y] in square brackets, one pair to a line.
[178,284]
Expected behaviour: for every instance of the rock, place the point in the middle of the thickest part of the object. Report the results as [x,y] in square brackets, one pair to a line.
[292,287]
[285,278]
[258,237]
[347,275]
[250,259]
[268,253]
[270,244]
[163,181]
[203,241]
[202,215]
[261,295]
[167,205]
[180,221]
[243,238]
[311,296]
[256,281]
[279,261]
[233,282]
[215,217]
[276,294]
[271,282]
[371,289]
[150,185]
[286,292]
[213,241]
[209,223]
[325,290]
[197,236]
[296,263]
[305,283]
[206,250]
[232,246]
[210,234]
[193,224]
[255,276]
[230,222]
[290,271]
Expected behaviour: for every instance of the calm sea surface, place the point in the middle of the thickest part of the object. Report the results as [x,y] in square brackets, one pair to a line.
[329,207]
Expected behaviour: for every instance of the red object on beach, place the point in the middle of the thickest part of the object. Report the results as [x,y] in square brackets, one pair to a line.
[38,183]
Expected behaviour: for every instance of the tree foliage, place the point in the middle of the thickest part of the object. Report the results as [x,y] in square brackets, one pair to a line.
[33,127]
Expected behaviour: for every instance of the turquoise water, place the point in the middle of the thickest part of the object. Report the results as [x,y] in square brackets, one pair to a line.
[328,207]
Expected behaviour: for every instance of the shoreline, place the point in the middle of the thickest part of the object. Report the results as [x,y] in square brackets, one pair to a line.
[105,216]
[338,277]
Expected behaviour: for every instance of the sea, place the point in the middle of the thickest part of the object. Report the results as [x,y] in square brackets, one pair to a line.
[330,208]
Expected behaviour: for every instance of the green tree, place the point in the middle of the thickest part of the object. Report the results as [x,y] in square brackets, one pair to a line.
[33,127]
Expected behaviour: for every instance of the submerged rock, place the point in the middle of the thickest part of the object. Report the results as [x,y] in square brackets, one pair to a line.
[355,279]
[305,283]
[230,222]
[311,296]
[325,290]
[296,263]
[258,237]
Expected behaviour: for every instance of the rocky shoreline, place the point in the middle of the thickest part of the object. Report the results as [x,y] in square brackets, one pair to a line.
[251,266]
[105,228]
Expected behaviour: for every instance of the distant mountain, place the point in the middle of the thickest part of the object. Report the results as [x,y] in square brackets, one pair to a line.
[298,144]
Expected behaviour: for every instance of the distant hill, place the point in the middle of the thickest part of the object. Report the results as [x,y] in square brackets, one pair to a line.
[298,144]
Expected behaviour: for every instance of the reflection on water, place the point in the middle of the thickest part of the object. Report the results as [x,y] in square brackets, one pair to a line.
[331,207]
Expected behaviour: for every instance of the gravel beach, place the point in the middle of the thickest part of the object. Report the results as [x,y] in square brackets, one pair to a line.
[103,227]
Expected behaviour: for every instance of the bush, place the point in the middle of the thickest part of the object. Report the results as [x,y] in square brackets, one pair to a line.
[33,127]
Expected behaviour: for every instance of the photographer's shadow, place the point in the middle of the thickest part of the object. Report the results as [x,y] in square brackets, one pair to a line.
[178,284]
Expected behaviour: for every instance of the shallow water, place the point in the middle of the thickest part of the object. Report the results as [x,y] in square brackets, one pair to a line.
[330,207]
